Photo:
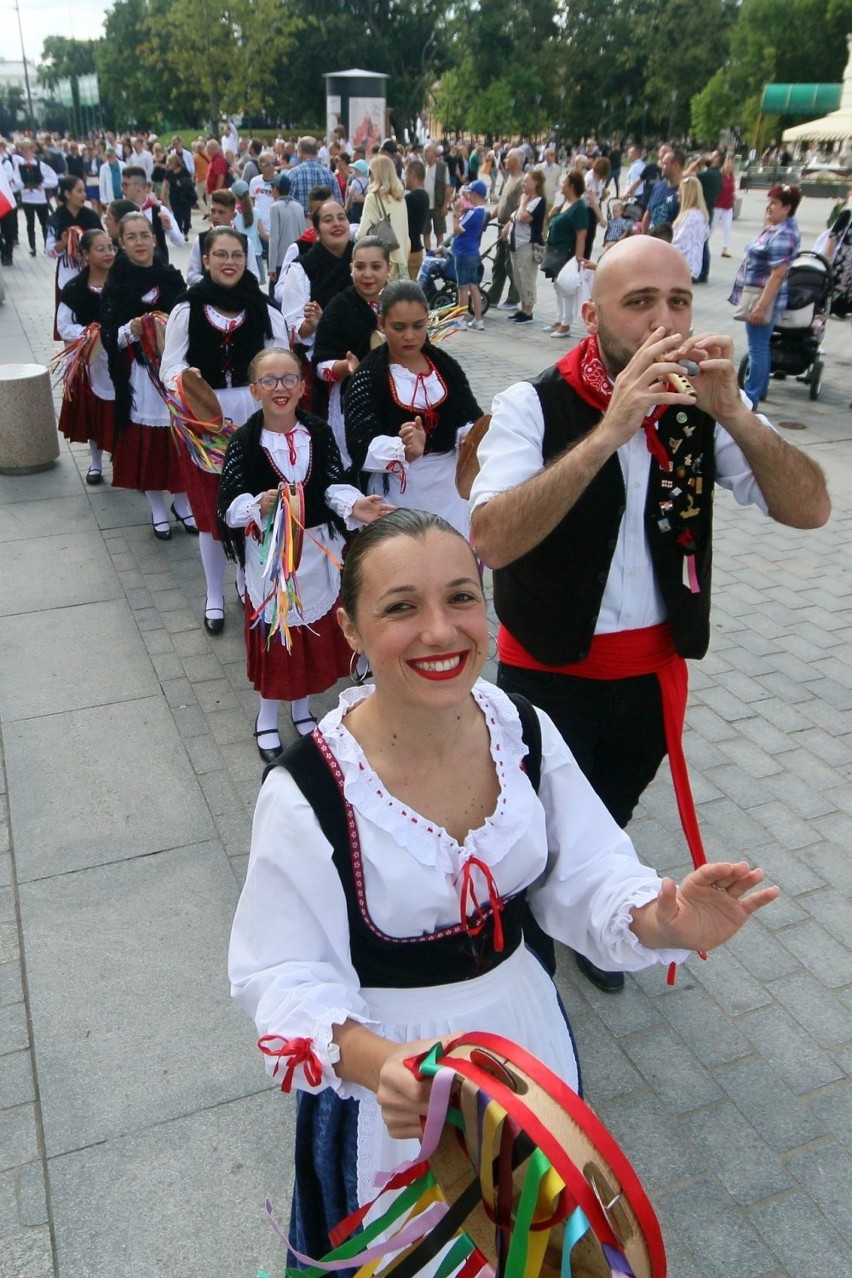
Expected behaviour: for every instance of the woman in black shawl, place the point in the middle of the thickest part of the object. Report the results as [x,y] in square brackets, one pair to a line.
[407,408]
[319,275]
[87,404]
[144,456]
[217,328]
[348,331]
[68,221]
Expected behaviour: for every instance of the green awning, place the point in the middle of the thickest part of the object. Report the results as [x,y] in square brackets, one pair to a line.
[800,99]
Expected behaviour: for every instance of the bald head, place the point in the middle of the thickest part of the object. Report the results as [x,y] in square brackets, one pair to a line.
[639,257]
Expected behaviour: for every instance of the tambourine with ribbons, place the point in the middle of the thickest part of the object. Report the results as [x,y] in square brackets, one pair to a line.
[71,255]
[197,420]
[516,1176]
[74,360]
[467,466]
[152,340]
[443,321]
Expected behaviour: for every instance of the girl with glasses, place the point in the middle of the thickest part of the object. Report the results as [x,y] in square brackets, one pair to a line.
[217,328]
[281,443]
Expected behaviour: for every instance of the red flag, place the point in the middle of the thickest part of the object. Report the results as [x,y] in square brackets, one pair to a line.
[7,199]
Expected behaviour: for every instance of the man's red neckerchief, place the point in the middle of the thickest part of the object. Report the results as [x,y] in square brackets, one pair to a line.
[584,372]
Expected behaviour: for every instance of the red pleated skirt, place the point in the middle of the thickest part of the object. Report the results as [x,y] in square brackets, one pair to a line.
[145,457]
[318,658]
[84,417]
[202,490]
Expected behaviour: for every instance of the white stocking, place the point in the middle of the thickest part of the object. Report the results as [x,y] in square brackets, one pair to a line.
[159,513]
[213,561]
[267,722]
[96,455]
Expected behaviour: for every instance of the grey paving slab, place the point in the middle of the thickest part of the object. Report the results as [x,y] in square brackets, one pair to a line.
[703,1217]
[126,965]
[62,480]
[54,572]
[46,519]
[184,1197]
[802,1238]
[42,674]
[748,1168]
[119,785]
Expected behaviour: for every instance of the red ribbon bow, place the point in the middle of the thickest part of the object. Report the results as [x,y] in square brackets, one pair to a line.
[474,925]
[299,1051]
[397,468]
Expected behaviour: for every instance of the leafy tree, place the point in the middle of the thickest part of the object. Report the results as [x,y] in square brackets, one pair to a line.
[64,59]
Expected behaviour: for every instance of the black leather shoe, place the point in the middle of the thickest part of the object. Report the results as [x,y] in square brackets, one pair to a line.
[214,620]
[161,531]
[186,521]
[94,476]
[609,982]
[268,756]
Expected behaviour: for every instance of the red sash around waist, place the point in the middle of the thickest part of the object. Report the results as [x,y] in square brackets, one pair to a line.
[620,656]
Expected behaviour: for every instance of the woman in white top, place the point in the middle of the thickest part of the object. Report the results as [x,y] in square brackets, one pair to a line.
[386,198]
[385,900]
[692,225]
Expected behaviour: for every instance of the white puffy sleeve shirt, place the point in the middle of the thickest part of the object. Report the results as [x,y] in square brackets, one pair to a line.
[289,963]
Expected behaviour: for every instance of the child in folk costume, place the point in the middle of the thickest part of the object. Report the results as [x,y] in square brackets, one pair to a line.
[144,456]
[66,224]
[87,405]
[407,409]
[282,444]
[217,328]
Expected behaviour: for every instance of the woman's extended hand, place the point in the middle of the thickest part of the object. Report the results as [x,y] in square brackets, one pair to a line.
[708,908]
[413,437]
[403,1098]
[313,315]
[136,327]
[369,509]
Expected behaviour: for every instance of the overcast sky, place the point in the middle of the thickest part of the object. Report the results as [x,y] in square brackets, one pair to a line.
[80,20]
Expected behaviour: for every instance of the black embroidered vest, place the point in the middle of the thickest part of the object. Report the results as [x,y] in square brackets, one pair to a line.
[549,599]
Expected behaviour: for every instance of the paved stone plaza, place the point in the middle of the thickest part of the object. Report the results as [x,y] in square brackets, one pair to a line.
[139,1134]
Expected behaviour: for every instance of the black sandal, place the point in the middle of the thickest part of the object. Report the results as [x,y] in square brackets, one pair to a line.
[297,724]
[94,476]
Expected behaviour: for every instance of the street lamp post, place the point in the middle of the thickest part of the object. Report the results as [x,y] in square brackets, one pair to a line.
[604,105]
[671,115]
[26,71]
[627,100]
[644,120]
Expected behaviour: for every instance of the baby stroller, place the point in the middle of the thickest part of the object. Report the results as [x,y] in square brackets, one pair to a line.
[799,330]
[437,278]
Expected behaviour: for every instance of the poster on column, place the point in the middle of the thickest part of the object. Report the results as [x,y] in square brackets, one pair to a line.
[366,121]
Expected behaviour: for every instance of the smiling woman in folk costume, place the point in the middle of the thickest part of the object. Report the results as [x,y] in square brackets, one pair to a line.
[294,646]
[359,940]
[407,409]
[347,331]
[87,405]
[217,328]
[144,456]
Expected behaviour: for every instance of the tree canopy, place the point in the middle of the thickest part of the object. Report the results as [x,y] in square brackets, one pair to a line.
[617,67]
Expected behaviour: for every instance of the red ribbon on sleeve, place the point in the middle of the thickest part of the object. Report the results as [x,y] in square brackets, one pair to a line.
[297,1051]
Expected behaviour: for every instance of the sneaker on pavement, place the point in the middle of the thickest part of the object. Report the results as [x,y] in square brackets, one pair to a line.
[479,325]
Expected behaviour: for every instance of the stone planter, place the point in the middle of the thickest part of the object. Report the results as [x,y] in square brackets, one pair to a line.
[28,438]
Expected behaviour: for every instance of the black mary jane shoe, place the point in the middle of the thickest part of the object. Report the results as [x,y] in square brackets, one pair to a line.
[215,624]
[162,531]
[268,756]
[304,727]
[94,476]
[184,521]
[609,982]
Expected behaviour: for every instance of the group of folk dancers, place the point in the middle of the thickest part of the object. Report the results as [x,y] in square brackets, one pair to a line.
[340,392]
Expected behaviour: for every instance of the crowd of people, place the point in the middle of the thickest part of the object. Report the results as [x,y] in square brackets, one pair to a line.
[592,505]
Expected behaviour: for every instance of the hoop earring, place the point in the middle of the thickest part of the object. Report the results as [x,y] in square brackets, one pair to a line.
[359,676]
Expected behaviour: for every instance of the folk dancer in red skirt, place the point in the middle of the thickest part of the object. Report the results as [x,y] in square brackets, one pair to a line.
[86,416]
[283,444]
[144,457]
[217,328]
[66,224]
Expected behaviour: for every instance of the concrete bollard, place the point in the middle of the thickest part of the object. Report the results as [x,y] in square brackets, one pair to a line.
[28,437]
